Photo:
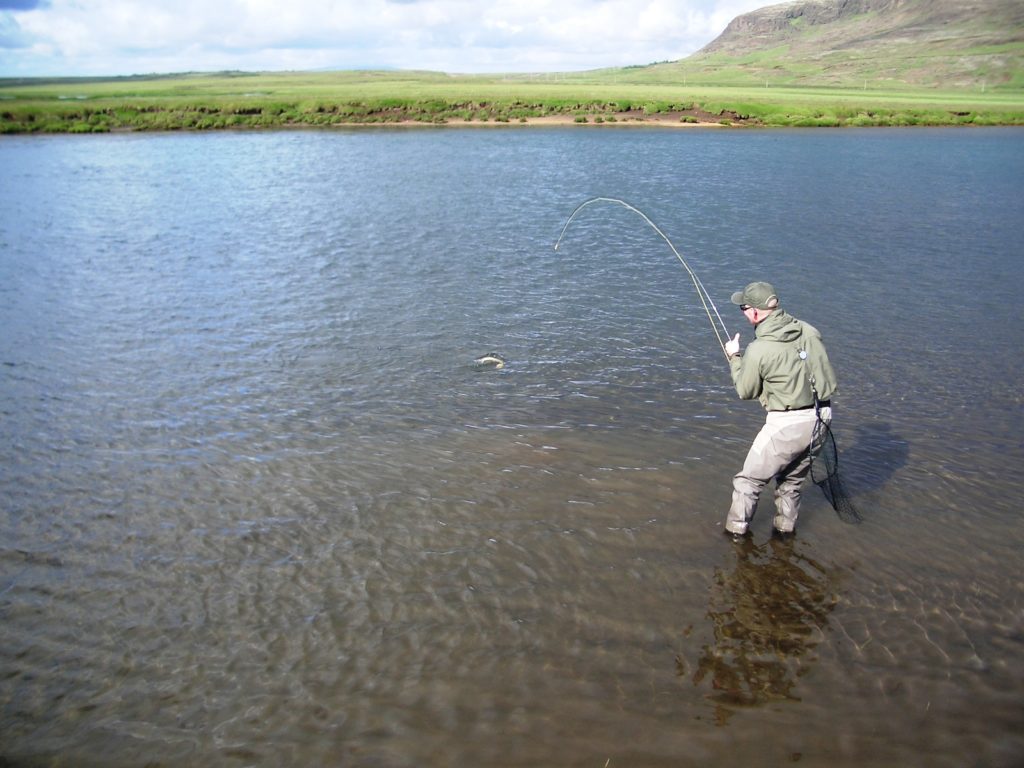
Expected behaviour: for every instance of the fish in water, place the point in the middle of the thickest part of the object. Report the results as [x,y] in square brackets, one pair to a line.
[491,358]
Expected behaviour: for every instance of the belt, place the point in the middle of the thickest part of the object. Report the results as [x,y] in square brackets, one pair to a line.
[821,403]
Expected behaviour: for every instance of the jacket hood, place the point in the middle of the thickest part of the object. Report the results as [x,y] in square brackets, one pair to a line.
[779,327]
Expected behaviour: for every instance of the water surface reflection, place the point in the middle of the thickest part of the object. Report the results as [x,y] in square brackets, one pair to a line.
[768,613]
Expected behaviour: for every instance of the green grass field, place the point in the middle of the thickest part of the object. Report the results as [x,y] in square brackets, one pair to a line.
[268,100]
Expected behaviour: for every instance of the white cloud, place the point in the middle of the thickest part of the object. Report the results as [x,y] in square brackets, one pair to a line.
[102,37]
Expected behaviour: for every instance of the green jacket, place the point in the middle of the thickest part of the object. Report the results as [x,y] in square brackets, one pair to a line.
[772,370]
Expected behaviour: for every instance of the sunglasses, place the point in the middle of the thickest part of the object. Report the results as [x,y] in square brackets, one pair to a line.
[744,307]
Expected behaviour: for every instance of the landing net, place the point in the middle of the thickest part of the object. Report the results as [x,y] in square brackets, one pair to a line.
[825,473]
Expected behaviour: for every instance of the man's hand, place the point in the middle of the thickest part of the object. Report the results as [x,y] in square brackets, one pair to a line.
[732,346]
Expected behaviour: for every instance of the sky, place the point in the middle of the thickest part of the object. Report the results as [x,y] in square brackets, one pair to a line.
[42,38]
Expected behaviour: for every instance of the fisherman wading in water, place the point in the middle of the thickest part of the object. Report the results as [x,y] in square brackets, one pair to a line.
[786,367]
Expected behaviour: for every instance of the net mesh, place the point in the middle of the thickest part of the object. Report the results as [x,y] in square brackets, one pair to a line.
[825,473]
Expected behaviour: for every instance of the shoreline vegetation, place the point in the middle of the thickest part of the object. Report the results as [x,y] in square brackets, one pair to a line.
[197,102]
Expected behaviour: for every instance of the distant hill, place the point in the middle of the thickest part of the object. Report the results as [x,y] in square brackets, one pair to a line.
[932,43]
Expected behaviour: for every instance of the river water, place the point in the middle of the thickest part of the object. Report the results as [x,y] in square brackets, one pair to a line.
[259,507]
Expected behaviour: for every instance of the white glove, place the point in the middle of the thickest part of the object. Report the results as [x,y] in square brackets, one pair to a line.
[732,346]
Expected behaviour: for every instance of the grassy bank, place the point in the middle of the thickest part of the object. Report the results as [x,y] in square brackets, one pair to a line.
[272,100]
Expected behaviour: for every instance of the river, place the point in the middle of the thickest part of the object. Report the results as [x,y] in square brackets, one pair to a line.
[258,506]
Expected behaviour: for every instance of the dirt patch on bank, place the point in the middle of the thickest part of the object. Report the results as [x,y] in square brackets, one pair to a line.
[688,118]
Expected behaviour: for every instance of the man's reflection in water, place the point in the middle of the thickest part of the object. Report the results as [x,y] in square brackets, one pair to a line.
[767,614]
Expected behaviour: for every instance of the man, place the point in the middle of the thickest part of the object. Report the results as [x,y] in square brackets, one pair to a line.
[787,368]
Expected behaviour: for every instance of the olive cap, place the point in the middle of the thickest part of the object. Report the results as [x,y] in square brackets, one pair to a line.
[760,295]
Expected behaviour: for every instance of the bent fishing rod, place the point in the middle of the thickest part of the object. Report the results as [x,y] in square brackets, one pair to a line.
[705,298]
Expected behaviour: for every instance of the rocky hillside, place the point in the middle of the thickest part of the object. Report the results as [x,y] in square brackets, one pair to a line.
[942,43]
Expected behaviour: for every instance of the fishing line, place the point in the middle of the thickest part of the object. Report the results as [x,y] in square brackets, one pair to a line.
[705,298]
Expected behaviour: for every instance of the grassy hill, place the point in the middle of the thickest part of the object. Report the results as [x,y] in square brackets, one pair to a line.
[804,63]
[947,44]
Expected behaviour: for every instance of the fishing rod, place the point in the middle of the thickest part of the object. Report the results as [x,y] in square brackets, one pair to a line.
[702,293]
